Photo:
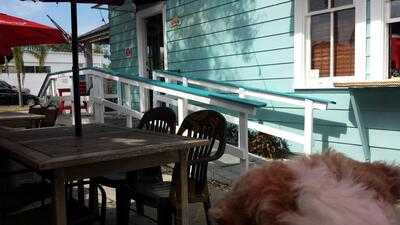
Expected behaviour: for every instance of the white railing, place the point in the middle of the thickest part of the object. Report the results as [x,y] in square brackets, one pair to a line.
[309,106]
[179,98]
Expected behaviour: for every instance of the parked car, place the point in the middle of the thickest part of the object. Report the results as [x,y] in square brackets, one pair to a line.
[9,95]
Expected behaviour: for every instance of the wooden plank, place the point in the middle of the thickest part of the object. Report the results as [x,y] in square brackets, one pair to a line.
[54,150]
[394,82]
[23,154]
[60,211]
[183,209]
[119,154]
[10,116]
[121,165]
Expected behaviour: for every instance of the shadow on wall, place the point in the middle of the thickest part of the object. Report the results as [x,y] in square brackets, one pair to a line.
[380,110]
[222,42]
[295,123]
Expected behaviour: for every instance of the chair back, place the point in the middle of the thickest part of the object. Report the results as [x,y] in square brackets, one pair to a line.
[204,124]
[160,119]
[51,113]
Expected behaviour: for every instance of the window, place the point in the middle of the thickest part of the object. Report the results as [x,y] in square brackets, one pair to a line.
[330,41]
[44,69]
[385,22]
[395,9]
[27,69]
[332,30]
[394,39]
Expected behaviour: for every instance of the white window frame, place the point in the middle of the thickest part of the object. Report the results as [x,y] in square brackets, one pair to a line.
[159,8]
[380,21]
[303,78]
[141,33]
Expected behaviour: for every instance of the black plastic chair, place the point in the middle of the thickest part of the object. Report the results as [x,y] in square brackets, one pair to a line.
[30,200]
[206,124]
[16,198]
[162,120]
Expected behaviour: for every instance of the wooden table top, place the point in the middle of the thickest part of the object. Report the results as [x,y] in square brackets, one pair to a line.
[6,116]
[57,147]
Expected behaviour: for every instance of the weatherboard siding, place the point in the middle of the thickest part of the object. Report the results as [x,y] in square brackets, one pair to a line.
[250,42]
[244,41]
[123,35]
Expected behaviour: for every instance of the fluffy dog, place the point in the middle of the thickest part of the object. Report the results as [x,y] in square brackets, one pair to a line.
[326,189]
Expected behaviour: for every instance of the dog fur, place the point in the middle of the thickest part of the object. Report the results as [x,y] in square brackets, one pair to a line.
[326,189]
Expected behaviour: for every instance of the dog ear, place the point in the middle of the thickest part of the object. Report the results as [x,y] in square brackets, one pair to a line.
[231,210]
[257,197]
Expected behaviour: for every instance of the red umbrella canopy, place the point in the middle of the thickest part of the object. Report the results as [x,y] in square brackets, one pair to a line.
[16,31]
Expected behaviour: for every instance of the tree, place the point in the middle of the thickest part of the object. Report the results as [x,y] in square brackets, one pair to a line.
[18,53]
[40,52]
[61,47]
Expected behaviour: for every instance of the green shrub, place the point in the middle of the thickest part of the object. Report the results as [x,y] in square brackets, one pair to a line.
[261,144]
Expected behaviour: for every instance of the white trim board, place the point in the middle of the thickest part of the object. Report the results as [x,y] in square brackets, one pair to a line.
[302,76]
[159,8]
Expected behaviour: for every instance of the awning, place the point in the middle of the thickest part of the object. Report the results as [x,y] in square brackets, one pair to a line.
[100,34]
[16,31]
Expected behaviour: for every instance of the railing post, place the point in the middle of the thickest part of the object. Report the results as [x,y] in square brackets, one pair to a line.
[243,142]
[167,80]
[182,104]
[98,92]
[156,102]
[243,137]
[89,85]
[308,126]
[53,87]
[119,93]
[128,100]
[72,102]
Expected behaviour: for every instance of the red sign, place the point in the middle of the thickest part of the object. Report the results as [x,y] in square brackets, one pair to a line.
[128,52]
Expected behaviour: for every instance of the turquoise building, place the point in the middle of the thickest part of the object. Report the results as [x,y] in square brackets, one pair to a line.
[329,49]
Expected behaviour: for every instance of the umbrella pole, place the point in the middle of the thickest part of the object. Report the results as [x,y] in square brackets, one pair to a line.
[75,69]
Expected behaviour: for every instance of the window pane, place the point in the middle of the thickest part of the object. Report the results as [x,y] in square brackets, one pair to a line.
[320,44]
[29,69]
[337,3]
[395,8]
[316,5]
[394,50]
[344,29]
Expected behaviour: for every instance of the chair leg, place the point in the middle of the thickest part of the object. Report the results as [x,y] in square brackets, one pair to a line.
[123,204]
[139,207]
[164,214]
[93,197]
[103,209]
[81,193]
[207,206]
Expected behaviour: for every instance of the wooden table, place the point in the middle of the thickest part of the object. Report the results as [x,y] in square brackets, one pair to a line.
[102,150]
[12,119]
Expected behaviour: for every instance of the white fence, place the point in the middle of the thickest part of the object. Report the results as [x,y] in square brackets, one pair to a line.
[179,98]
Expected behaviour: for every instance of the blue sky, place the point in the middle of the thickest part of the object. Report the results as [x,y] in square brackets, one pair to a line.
[88,18]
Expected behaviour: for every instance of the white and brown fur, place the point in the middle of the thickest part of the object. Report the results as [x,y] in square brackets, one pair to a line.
[326,189]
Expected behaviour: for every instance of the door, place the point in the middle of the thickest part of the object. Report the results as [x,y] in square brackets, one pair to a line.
[155,47]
